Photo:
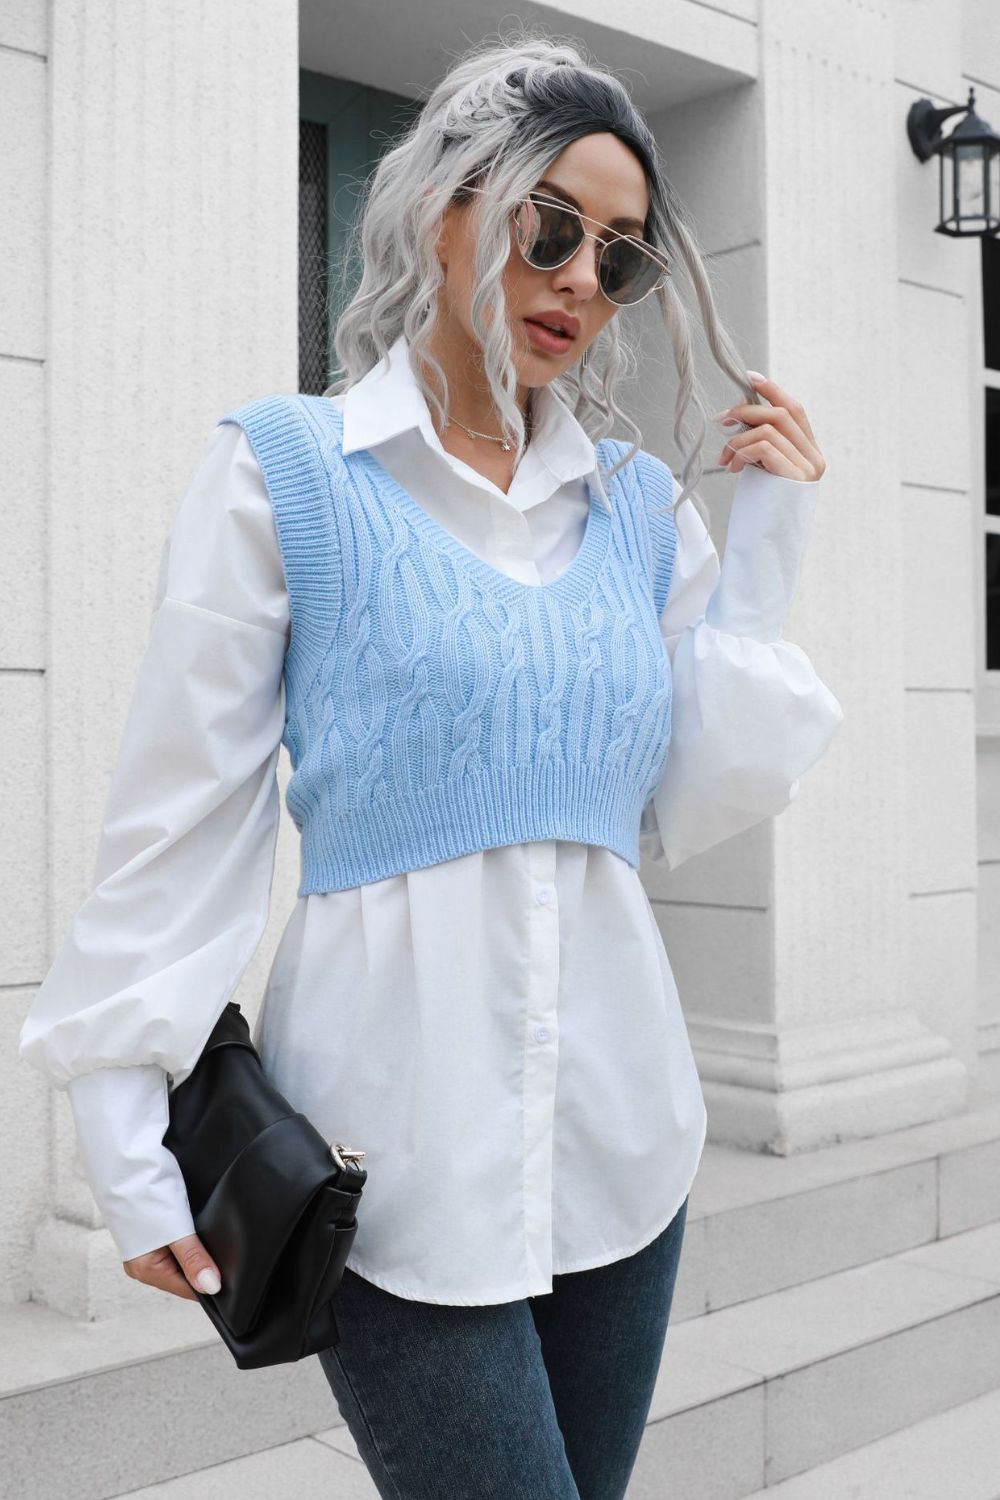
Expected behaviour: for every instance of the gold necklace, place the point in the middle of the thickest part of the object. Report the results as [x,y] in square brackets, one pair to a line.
[504,442]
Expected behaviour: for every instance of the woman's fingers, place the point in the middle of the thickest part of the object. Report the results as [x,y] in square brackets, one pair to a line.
[196,1263]
[764,455]
[159,1268]
[778,437]
[769,446]
[780,397]
[176,1268]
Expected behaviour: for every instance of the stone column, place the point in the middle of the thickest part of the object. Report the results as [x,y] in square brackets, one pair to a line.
[791,943]
[173,294]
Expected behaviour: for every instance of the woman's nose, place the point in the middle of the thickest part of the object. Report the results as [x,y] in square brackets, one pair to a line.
[580,271]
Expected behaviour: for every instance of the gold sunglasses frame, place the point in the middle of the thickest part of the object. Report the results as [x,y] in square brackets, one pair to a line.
[657,256]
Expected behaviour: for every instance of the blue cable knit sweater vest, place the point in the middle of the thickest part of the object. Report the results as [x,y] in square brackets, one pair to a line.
[436,706]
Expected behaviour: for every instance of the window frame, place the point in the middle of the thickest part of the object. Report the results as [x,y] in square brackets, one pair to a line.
[360,121]
[985,378]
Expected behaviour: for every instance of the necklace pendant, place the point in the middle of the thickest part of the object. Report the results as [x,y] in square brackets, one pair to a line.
[505,446]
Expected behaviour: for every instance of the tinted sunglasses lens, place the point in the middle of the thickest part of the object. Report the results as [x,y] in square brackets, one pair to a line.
[547,235]
[627,273]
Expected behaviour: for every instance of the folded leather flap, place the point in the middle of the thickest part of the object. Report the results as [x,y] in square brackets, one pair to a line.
[231,1029]
[254,1208]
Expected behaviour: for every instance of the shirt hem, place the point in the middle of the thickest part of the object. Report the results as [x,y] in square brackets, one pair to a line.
[607,1258]
[543,1285]
[451,1300]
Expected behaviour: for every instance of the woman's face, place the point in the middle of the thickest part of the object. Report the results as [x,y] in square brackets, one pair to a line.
[604,179]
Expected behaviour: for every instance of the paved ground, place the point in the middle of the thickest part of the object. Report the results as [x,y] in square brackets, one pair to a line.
[955,1454]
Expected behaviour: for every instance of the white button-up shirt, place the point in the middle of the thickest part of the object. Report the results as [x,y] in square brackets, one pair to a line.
[500,1032]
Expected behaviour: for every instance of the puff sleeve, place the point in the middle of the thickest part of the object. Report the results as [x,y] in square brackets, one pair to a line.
[181,887]
[750,714]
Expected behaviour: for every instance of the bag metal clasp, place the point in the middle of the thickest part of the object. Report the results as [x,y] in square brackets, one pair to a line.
[345,1156]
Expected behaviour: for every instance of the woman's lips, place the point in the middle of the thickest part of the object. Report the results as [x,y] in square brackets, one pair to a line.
[544,338]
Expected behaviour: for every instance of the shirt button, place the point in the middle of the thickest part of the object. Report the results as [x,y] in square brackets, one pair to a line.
[541,1033]
[543,893]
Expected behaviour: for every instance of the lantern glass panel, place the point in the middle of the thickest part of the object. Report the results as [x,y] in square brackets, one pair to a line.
[970,169]
[948,207]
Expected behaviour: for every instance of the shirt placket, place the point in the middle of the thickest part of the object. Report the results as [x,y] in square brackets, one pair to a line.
[511,549]
[541,1054]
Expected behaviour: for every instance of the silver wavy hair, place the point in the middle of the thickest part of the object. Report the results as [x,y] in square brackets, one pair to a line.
[497,120]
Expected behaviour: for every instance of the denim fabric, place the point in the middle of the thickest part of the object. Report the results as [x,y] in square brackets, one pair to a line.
[544,1398]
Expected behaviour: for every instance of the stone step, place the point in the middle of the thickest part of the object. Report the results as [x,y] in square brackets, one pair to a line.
[95,1409]
[758,1223]
[750,1394]
[763,1390]
[306,1470]
[954,1456]
[765,1235]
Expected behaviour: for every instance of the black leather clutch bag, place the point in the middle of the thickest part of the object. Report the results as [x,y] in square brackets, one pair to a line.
[273,1202]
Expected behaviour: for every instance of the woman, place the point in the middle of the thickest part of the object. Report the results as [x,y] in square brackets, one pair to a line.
[504,662]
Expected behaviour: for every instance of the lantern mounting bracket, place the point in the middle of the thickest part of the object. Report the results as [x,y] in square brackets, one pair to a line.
[923,125]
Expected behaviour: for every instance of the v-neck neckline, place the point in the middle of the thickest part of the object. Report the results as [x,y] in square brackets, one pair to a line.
[574,583]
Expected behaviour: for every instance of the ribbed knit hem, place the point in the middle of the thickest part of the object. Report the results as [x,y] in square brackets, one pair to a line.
[509,805]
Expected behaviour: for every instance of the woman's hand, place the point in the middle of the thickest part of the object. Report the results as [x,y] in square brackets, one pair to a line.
[176,1268]
[779,439]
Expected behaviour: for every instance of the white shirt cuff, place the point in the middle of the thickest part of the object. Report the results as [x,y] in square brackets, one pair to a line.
[769,526]
[121,1115]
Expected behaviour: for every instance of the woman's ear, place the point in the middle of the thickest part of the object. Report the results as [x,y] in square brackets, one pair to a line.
[441,244]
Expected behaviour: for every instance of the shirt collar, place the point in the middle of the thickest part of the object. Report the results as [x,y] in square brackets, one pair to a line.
[387,401]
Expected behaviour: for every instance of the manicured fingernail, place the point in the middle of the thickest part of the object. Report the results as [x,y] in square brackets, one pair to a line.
[756,375]
[208,1281]
[724,418]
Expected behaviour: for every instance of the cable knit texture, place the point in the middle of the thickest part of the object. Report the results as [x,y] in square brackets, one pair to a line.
[434,705]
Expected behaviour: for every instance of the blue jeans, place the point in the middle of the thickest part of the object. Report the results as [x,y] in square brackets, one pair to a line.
[545,1398]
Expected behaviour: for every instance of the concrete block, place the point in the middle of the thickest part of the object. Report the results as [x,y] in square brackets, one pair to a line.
[24,127]
[974,1253]
[941,792]
[956,1453]
[722,959]
[836,1404]
[306,1469]
[927,51]
[988,819]
[22,556]
[969,1187]
[938,564]
[713,1452]
[807,1324]
[141,1423]
[76,1270]
[978,20]
[23,25]
[782,1242]
[930,331]
[24,1130]
[941,968]
[23,871]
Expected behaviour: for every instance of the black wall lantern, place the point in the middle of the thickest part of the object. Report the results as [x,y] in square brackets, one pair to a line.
[969,202]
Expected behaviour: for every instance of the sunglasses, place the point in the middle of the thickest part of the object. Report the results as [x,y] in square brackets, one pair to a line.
[549,234]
